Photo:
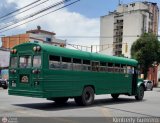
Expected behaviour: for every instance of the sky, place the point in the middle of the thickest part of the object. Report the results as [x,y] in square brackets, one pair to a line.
[79,19]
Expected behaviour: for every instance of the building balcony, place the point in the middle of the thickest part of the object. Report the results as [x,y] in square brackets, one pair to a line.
[116,49]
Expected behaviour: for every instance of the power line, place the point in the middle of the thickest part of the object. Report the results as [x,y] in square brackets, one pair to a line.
[19,9]
[34,14]
[124,36]
[41,16]
[2,19]
[96,37]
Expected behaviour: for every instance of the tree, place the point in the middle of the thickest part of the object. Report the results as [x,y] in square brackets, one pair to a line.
[145,50]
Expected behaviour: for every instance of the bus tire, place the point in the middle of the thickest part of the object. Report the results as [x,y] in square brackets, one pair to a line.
[5,87]
[140,93]
[87,97]
[60,100]
[115,96]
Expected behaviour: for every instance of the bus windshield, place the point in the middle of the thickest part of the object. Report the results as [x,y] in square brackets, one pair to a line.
[37,61]
[13,62]
[25,62]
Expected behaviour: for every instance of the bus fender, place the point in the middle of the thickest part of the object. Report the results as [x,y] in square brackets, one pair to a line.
[140,83]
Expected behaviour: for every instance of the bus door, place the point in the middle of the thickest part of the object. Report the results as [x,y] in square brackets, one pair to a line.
[36,72]
[134,81]
[25,71]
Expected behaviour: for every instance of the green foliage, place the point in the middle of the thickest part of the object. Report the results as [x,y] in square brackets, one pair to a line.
[146,50]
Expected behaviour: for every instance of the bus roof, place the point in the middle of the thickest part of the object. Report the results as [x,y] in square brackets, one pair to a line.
[56,50]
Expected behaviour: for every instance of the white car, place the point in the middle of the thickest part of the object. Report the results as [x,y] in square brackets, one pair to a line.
[148,85]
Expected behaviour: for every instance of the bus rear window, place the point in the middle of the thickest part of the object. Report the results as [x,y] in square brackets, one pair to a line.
[13,62]
[25,62]
[37,61]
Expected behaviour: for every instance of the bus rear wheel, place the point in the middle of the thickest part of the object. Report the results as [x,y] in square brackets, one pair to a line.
[60,100]
[87,97]
[115,96]
[140,93]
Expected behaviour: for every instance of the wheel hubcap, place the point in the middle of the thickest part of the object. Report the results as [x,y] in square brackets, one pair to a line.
[87,96]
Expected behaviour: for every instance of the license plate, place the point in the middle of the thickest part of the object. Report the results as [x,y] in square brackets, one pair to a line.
[13,84]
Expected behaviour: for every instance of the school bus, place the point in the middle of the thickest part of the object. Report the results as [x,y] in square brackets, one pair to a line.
[57,73]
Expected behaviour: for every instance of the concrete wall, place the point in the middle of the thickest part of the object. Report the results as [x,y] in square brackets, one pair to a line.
[132,29]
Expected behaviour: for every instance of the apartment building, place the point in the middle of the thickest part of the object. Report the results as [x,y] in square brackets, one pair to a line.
[123,26]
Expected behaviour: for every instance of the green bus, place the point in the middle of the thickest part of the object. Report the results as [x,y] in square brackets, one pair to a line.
[57,73]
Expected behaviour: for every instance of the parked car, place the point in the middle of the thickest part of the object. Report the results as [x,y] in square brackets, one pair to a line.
[148,85]
[3,83]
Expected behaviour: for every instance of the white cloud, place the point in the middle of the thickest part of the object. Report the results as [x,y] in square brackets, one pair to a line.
[65,23]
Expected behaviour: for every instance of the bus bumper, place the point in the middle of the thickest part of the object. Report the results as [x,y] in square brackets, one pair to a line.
[27,93]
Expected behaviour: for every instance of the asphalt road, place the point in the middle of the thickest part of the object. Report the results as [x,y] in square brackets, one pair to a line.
[104,106]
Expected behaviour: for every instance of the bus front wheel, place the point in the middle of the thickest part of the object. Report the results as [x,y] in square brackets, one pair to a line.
[115,96]
[87,97]
[140,93]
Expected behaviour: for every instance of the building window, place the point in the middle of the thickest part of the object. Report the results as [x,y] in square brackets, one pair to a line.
[48,39]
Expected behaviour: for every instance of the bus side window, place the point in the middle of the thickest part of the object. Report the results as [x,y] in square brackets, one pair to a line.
[103,66]
[86,65]
[110,67]
[130,70]
[77,64]
[117,68]
[54,62]
[66,63]
[123,68]
[95,66]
